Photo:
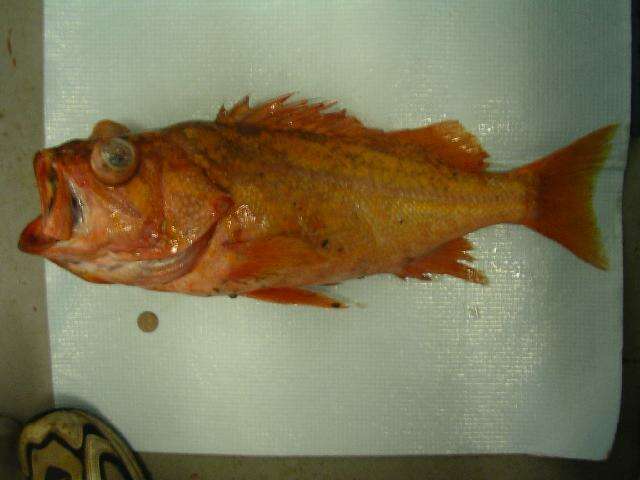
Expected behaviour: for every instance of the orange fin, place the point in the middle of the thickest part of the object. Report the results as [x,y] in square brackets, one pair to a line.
[270,256]
[446,259]
[564,181]
[447,141]
[295,296]
[302,115]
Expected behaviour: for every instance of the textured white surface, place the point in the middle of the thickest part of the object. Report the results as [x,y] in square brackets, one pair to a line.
[530,363]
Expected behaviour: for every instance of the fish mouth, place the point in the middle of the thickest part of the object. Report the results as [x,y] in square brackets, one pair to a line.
[62,209]
[33,239]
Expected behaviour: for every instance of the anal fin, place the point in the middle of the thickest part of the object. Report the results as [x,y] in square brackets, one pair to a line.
[295,296]
[446,259]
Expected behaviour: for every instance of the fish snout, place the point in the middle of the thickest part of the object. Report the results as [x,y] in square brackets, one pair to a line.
[33,240]
[58,204]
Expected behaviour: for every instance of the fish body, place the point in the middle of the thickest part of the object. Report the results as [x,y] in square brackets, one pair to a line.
[266,200]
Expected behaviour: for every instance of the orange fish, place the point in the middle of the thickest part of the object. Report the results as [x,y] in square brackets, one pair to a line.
[267,200]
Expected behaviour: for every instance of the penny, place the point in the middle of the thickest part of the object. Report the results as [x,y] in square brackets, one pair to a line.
[147,321]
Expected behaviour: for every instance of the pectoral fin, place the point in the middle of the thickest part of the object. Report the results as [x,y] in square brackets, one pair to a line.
[270,257]
[295,296]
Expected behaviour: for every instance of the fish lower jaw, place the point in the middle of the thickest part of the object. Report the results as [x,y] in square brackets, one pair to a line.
[34,240]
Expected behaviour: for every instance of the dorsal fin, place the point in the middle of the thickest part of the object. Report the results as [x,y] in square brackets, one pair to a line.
[449,142]
[446,141]
[301,115]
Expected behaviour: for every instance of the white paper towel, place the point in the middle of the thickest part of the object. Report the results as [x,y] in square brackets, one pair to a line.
[530,363]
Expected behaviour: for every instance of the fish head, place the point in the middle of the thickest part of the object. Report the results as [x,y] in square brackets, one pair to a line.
[122,208]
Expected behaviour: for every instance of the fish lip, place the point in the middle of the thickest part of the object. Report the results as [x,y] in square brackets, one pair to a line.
[62,206]
[33,240]
[46,180]
[37,232]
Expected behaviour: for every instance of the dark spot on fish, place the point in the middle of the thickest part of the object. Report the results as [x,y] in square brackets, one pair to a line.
[52,177]
[400,220]
[233,295]
[311,136]
[13,62]
[248,129]
[325,243]
[336,305]
[454,173]
[231,148]
[8,42]
[216,290]
[340,249]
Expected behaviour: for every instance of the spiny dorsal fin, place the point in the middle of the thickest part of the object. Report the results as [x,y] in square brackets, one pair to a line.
[302,115]
[446,141]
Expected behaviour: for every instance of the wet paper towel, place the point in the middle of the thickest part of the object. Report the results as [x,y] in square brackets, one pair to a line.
[529,363]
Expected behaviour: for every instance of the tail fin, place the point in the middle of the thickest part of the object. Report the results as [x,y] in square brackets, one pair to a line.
[563,210]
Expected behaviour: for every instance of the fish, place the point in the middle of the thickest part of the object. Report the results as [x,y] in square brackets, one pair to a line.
[270,200]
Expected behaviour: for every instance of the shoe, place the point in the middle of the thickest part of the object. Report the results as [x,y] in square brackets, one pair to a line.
[74,445]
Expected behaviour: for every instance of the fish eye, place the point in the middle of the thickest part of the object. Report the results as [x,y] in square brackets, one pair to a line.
[113,161]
